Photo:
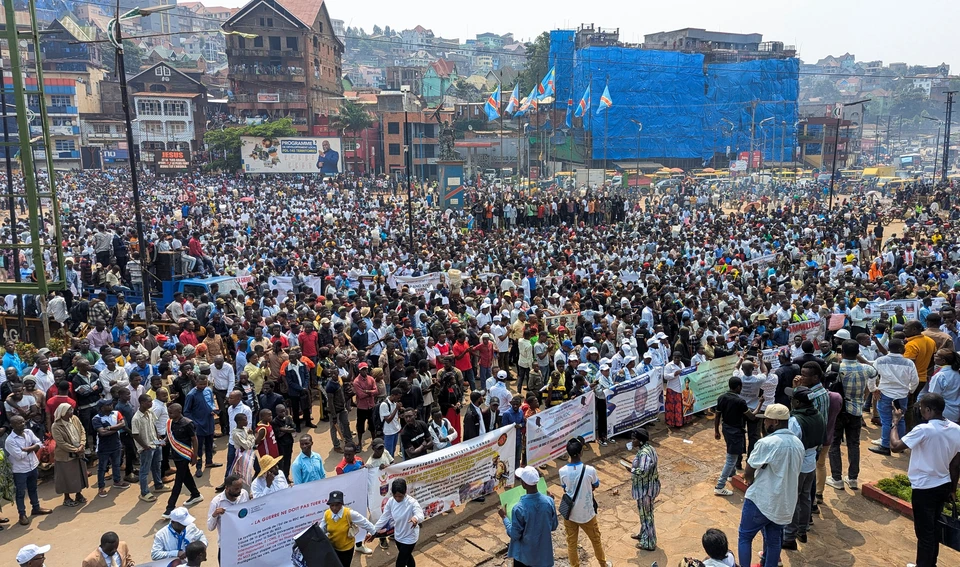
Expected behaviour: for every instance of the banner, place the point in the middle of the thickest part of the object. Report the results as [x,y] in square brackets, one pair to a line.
[808,330]
[260,532]
[171,161]
[450,477]
[772,356]
[281,283]
[569,321]
[874,309]
[549,430]
[761,261]
[417,284]
[705,383]
[291,155]
[634,403]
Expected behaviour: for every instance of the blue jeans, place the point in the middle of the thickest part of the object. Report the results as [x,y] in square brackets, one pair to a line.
[390,443]
[111,459]
[231,456]
[885,407]
[26,483]
[751,522]
[470,378]
[150,463]
[729,469]
[485,372]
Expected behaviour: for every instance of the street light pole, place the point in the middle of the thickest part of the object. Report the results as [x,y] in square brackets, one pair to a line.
[134,180]
[639,129]
[836,143]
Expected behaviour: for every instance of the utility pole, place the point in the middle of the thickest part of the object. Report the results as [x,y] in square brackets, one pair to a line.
[408,166]
[876,142]
[946,137]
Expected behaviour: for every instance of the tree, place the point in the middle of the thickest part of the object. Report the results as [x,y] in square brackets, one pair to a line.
[352,117]
[538,64]
[133,57]
[377,30]
[465,91]
[227,142]
[387,31]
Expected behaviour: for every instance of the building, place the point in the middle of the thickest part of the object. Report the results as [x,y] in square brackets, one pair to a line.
[440,76]
[171,110]
[400,77]
[590,36]
[424,132]
[339,30]
[817,138]
[718,46]
[291,69]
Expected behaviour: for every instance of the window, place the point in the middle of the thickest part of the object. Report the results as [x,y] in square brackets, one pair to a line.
[258,42]
[292,43]
[158,88]
[393,127]
[349,146]
[152,127]
[394,149]
[101,128]
[148,108]
[162,71]
[60,121]
[60,100]
[274,43]
[64,145]
[269,22]
[241,43]
[428,131]
[175,108]
[262,23]
[176,127]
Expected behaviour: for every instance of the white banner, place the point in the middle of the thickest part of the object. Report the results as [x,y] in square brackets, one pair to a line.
[761,260]
[569,321]
[445,479]
[315,283]
[417,284]
[634,403]
[260,532]
[291,155]
[808,330]
[549,430]
[281,283]
[874,309]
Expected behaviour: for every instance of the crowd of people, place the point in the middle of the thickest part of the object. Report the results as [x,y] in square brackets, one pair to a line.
[547,297]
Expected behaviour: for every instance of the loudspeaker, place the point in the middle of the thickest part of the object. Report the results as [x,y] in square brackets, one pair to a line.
[164,265]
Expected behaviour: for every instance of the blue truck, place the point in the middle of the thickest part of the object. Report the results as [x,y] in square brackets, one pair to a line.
[197,286]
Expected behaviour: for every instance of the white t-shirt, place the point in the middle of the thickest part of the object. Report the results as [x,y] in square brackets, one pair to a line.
[932,446]
[389,427]
[582,511]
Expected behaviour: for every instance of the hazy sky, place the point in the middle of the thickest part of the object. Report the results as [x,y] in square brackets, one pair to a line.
[889,30]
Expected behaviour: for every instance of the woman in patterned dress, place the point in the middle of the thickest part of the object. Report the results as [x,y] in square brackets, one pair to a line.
[646,488]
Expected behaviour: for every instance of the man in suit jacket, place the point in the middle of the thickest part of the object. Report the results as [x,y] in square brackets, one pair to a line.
[111,553]
[475,420]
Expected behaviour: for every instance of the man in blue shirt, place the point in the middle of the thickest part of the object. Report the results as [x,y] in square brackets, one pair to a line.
[308,466]
[12,359]
[514,416]
[532,519]
[328,160]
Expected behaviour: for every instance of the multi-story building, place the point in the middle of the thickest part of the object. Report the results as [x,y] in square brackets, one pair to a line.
[818,137]
[718,46]
[440,76]
[398,77]
[292,68]
[171,110]
[424,141]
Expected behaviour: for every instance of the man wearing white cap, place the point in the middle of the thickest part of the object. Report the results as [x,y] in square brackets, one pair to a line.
[530,522]
[500,392]
[32,555]
[172,540]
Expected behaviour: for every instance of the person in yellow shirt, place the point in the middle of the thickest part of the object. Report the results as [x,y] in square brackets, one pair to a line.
[257,371]
[338,522]
[919,349]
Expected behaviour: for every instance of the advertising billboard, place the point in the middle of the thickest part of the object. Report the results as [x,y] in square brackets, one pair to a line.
[171,161]
[291,155]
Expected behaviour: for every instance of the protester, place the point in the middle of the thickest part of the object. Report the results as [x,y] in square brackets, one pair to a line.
[232,495]
[645,487]
[933,471]
[406,515]
[171,541]
[144,431]
[338,522]
[530,523]
[111,553]
[184,447]
[21,447]
[732,414]
[810,427]
[308,466]
[897,379]
[70,472]
[855,378]
[32,555]
[579,480]
[270,479]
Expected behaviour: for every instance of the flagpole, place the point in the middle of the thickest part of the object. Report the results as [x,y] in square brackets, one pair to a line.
[589,159]
[606,129]
[500,111]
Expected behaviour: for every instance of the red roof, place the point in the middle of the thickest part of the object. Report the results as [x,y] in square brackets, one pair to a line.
[305,10]
[443,68]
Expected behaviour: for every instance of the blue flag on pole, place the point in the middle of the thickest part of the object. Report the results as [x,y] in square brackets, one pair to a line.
[605,101]
[514,103]
[584,104]
[492,106]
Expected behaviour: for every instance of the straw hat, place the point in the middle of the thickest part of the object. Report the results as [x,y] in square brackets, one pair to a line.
[266,463]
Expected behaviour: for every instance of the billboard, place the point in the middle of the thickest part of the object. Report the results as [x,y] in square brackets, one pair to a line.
[171,161]
[291,155]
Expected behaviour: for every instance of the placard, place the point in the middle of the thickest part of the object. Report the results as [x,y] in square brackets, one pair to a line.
[634,403]
[171,161]
[549,430]
[705,383]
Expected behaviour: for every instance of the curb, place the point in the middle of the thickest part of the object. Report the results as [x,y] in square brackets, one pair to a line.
[871,492]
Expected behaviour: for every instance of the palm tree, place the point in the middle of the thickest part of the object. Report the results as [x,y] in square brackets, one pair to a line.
[352,117]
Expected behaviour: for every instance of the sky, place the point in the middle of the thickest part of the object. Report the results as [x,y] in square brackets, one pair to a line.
[888,30]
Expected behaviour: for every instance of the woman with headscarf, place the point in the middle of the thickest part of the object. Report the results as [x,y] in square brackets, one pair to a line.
[70,471]
[645,487]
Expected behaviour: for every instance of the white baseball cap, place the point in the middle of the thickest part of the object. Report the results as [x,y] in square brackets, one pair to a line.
[30,551]
[502,375]
[528,475]
[181,516]
[587,341]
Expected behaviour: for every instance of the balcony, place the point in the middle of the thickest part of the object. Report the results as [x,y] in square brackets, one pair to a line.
[105,136]
[62,110]
[271,101]
[64,130]
[71,154]
[260,52]
[268,73]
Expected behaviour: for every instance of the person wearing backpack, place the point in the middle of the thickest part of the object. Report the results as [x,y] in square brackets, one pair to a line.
[578,506]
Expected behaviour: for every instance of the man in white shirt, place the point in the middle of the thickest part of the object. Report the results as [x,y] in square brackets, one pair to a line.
[222,380]
[896,379]
[235,406]
[579,480]
[22,446]
[233,495]
[934,459]
[171,541]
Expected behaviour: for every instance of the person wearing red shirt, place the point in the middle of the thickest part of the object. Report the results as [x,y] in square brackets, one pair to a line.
[188,336]
[61,397]
[461,359]
[309,341]
[265,438]
[277,336]
[486,351]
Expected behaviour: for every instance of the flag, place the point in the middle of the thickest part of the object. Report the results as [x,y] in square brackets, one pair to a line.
[605,101]
[546,86]
[492,107]
[569,113]
[584,105]
[530,102]
[514,101]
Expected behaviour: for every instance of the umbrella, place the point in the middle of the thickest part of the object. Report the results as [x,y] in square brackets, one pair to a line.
[709,170]
[246,199]
[754,204]
[676,170]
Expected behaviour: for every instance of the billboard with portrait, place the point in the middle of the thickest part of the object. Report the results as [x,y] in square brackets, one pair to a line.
[291,155]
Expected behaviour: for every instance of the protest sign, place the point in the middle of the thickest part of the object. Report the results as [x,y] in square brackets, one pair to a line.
[283,284]
[705,383]
[836,321]
[260,533]
[761,261]
[568,320]
[807,330]
[772,356]
[634,403]
[447,478]
[885,309]
[549,430]
[509,498]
